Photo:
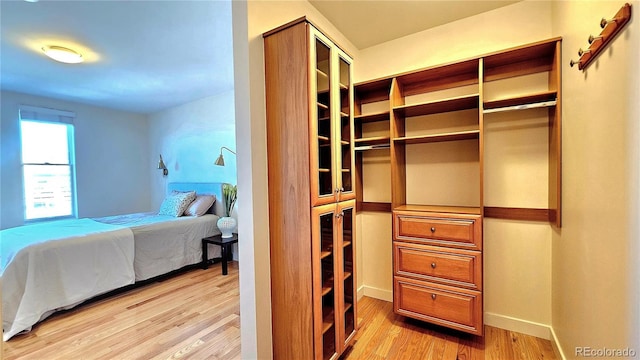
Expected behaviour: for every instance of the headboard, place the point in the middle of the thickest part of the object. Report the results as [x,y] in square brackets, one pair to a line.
[202,188]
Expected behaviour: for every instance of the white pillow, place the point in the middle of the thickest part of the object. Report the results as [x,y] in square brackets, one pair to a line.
[200,205]
[176,203]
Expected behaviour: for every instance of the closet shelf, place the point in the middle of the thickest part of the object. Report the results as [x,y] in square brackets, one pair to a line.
[471,210]
[374,117]
[374,140]
[452,136]
[440,106]
[544,99]
[372,147]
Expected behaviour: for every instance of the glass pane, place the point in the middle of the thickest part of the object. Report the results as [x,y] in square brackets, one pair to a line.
[44,142]
[323,81]
[328,293]
[47,191]
[349,294]
[345,123]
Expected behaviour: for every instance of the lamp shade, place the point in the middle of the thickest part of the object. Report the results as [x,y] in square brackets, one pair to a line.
[62,54]
[220,160]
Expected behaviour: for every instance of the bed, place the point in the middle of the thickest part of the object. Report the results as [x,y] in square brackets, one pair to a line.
[57,265]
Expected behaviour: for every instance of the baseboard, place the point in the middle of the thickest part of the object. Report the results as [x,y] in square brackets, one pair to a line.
[381,294]
[557,349]
[518,325]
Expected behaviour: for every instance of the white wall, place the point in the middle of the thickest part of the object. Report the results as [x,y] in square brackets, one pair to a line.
[595,258]
[189,137]
[517,260]
[112,159]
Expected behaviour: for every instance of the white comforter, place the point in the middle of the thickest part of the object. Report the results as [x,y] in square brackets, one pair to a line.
[36,261]
[166,243]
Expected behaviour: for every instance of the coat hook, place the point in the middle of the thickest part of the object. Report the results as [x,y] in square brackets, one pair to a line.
[604,22]
[571,63]
[582,52]
[594,38]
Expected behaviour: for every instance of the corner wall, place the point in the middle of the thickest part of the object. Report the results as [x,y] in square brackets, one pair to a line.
[189,137]
[595,258]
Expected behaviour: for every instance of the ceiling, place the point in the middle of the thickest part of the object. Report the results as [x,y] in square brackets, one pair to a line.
[146,56]
[140,56]
[368,23]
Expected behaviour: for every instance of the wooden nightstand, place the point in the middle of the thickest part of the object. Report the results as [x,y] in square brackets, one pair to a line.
[225,246]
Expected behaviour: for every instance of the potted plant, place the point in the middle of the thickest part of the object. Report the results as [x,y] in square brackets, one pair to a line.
[226,224]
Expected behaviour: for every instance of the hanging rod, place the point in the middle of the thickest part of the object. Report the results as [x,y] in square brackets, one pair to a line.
[610,28]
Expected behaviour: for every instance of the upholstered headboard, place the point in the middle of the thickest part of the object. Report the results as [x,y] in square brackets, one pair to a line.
[202,188]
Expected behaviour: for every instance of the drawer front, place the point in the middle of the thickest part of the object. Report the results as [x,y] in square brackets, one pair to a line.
[439,229]
[449,266]
[439,304]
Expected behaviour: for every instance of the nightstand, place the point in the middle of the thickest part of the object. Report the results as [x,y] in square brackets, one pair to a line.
[225,246]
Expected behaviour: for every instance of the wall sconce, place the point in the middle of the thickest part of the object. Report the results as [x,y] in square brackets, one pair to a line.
[162,166]
[220,159]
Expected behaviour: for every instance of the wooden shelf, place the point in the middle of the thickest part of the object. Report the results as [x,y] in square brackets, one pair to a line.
[347,307]
[326,289]
[346,275]
[344,142]
[327,322]
[323,138]
[324,254]
[346,243]
[322,170]
[323,106]
[372,91]
[374,140]
[472,210]
[440,106]
[374,206]
[373,117]
[543,99]
[452,136]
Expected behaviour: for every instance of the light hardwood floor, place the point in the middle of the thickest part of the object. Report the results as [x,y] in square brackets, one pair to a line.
[195,315]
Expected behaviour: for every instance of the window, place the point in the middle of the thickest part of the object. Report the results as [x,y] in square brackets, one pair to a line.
[47,164]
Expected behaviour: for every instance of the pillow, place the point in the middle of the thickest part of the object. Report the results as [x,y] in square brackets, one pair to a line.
[200,205]
[176,203]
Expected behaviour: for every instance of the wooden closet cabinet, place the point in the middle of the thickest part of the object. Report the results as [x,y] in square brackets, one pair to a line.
[468,140]
[309,103]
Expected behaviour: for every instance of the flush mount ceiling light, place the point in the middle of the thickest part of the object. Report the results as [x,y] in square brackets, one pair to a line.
[62,54]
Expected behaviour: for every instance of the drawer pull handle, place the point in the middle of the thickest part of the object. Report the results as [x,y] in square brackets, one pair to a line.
[433,229]
[433,265]
[433,296]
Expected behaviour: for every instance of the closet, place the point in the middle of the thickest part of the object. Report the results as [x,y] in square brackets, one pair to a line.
[312,192]
[464,140]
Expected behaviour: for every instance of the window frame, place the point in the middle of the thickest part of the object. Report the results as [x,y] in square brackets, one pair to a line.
[70,137]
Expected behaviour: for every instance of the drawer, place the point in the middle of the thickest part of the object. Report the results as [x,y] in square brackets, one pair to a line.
[443,229]
[456,308]
[445,265]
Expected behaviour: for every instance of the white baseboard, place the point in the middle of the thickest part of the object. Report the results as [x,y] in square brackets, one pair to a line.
[518,325]
[557,349]
[381,294]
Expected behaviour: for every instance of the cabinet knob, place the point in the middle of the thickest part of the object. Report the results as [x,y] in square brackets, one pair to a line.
[337,190]
[433,296]
[341,189]
[433,229]
[338,215]
[433,265]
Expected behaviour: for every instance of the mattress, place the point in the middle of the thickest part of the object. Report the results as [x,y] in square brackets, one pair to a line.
[52,266]
[165,243]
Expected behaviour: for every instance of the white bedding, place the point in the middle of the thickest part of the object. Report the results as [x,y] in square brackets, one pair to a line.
[165,243]
[36,261]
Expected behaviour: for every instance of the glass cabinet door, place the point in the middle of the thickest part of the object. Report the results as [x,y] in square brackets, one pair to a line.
[346,212]
[323,165]
[344,136]
[324,243]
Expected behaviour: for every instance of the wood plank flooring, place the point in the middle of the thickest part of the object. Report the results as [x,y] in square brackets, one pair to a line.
[385,335]
[195,315]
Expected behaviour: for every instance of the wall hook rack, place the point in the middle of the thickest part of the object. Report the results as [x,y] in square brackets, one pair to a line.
[610,28]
